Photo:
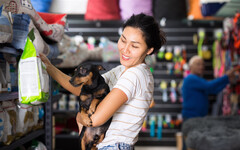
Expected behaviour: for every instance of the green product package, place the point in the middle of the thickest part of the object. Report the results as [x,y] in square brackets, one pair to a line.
[33,80]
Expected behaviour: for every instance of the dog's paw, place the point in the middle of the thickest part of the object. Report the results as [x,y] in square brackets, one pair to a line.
[88,122]
[91,112]
[86,119]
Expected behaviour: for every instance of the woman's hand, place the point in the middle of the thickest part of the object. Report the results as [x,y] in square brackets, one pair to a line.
[78,120]
[45,60]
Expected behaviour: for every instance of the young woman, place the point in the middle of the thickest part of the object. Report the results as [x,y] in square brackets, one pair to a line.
[131,84]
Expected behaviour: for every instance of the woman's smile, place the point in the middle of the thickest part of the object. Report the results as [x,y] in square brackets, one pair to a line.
[125,57]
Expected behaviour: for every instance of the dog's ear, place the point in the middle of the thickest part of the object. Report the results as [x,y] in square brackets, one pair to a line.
[100,67]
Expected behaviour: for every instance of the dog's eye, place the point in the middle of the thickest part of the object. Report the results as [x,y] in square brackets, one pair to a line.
[82,71]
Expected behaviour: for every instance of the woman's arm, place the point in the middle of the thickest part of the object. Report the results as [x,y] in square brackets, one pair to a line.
[105,110]
[59,76]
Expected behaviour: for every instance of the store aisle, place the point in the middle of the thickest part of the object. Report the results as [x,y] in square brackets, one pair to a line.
[154,148]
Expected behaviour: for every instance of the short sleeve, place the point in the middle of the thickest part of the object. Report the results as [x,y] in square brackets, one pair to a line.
[128,83]
[106,76]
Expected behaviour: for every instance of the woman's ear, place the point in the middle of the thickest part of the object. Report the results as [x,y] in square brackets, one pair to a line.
[150,51]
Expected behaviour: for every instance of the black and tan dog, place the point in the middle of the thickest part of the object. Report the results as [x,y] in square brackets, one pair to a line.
[94,89]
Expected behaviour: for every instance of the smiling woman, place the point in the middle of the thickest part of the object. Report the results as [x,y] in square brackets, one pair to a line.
[132,47]
[141,37]
[131,84]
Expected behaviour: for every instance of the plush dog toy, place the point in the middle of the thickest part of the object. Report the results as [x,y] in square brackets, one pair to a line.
[94,89]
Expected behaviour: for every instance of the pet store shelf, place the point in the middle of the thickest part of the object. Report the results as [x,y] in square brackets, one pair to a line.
[8,96]
[55,98]
[65,111]
[14,95]
[229,9]
[10,50]
[169,132]
[23,140]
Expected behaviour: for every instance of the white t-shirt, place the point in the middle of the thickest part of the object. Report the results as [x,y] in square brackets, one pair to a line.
[137,83]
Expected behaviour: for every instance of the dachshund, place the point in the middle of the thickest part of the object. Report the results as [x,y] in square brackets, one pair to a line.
[93,91]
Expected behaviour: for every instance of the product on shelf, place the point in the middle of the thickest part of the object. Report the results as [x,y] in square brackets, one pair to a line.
[159,124]
[33,77]
[161,53]
[5,27]
[35,110]
[72,102]
[24,119]
[5,78]
[73,52]
[2,119]
[50,25]
[144,126]
[110,50]
[62,103]
[173,94]
[163,87]
[40,116]
[91,41]
[169,53]
[152,122]
[37,145]
[9,122]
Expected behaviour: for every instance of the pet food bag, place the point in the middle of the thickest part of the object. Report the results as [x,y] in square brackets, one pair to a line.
[35,110]
[9,131]
[24,119]
[40,117]
[33,80]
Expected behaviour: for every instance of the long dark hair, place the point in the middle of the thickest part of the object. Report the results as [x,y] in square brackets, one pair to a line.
[154,36]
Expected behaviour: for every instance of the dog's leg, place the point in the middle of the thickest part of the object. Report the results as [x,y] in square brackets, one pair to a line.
[94,148]
[83,142]
[93,106]
[101,138]
[86,119]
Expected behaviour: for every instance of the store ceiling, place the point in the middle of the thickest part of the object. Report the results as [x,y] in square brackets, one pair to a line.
[229,9]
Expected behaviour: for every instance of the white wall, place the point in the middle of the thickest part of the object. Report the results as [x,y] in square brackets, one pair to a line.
[69,6]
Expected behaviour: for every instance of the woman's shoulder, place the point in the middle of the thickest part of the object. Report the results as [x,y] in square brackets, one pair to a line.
[139,72]
[140,69]
[117,69]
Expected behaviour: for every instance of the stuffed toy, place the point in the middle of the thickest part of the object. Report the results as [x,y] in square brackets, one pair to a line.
[5,27]
[17,20]
[50,25]
[73,52]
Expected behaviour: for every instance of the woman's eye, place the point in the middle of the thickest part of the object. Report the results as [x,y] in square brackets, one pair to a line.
[123,40]
[135,46]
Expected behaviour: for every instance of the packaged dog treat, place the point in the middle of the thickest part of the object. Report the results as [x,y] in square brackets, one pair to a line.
[33,80]
[24,118]
[10,119]
[30,120]
[40,116]
[2,114]
[35,110]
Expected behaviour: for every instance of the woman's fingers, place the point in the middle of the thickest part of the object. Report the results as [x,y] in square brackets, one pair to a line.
[44,59]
